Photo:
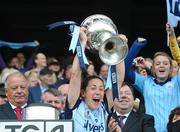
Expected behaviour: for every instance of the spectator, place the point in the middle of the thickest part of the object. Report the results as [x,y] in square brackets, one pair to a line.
[174,120]
[40,62]
[53,64]
[6,72]
[16,86]
[158,90]
[21,58]
[33,79]
[17,62]
[91,69]
[14,63]
[103,72]
[142,69]
[24,65]
[53,97]
[175,68]
[3,98]
[46,81]
[173,45]
[132,121]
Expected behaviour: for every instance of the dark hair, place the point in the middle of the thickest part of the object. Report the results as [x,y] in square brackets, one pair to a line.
[131,87]
[175,111]
[87,79]
[45,71]
[53,91]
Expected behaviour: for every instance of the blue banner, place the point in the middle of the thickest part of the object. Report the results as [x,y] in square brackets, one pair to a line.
[173,12]
[61,23]
[19,45]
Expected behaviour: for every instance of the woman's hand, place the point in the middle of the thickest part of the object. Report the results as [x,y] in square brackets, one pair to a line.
[84,36]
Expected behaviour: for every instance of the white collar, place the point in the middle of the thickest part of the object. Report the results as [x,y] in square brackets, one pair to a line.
[119,114]
[13,106]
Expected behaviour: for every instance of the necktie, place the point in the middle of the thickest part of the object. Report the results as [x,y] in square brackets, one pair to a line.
[18,111]
[121,118]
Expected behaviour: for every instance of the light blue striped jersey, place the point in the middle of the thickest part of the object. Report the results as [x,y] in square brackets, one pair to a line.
[159,99]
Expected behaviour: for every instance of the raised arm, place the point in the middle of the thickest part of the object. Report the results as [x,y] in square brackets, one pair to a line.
[133,52]
[174,48]
[75,80]
[120,68]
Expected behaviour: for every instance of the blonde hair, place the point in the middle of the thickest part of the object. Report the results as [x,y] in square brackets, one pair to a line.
[161,54]
[5,73]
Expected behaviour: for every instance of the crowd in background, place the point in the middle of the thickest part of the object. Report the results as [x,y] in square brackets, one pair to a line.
[150,87]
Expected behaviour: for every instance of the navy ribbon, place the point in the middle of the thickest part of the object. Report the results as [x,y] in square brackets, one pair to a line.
[79,51]
[19,45]
[76,44]
[111,82]
[75,41]
[115,90]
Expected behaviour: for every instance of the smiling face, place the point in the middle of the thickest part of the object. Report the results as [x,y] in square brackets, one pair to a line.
[126,101]
[161,68]
[40,60]
[93,93]
[17,89]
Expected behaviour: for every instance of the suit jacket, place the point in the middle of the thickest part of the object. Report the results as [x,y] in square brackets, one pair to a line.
[138,122]
[6,112]
[34,95]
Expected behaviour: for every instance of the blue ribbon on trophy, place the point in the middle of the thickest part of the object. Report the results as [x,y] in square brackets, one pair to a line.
[112,81]
[75,41]
[76,44]
[19,45]
[108,81]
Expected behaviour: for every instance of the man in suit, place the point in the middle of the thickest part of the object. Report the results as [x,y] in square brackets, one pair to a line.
[47,81]
[132,121]
[16,86]
[56,99]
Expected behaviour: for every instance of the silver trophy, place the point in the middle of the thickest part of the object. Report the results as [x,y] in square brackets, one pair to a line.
[104,39]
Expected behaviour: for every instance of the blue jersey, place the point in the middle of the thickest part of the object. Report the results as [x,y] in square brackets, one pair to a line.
[86,120]
[160,99]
